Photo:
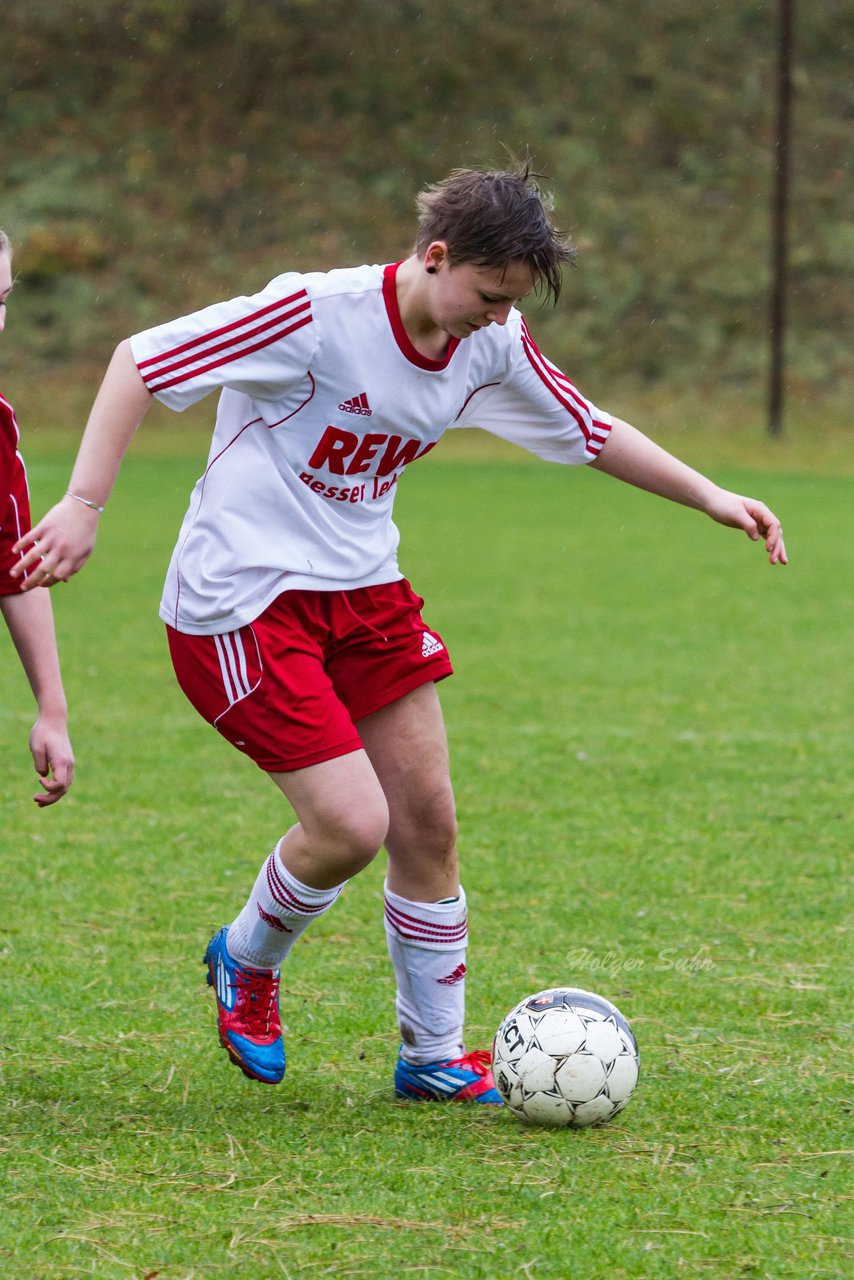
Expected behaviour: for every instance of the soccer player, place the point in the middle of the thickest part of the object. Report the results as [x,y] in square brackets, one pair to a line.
[29,617]
[290,626]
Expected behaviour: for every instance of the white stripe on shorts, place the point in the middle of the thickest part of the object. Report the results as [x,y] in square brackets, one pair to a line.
[232,665]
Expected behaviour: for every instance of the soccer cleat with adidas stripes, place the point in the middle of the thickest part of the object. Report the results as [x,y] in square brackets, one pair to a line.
[466,1079]
[247,1012]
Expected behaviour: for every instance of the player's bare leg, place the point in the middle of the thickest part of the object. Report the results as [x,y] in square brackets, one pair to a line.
[342,820]
[425,906]
[407,746]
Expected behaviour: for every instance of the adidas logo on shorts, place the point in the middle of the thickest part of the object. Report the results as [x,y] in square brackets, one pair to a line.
[430,645]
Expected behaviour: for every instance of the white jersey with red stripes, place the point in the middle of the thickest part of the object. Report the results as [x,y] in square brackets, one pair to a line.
[323,403]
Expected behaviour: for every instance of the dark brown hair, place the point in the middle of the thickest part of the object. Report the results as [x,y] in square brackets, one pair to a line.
[491,219]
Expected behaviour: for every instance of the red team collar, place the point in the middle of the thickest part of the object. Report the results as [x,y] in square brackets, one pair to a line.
[400,334]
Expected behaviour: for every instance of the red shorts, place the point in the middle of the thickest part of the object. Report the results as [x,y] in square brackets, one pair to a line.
[288,688]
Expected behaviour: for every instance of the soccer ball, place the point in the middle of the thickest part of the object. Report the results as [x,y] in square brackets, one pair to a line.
[565,1057]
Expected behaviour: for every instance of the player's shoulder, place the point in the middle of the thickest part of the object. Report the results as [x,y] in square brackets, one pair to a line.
[503,337]
[8,421]
[9,441]
[340,282]
[496,347]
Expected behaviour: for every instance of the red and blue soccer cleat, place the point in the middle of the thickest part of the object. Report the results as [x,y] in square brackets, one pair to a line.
[466,1079]
[248,1012]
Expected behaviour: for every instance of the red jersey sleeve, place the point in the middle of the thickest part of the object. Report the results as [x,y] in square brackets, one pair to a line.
[14,497]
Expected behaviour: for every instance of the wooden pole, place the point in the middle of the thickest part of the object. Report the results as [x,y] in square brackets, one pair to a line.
[779,219]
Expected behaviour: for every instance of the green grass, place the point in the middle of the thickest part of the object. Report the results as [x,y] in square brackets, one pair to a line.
[650,736]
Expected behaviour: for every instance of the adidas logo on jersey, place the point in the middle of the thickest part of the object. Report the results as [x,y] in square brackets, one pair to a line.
[430,645]
[359,404]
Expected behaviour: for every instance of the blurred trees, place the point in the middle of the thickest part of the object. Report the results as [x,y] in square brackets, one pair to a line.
[161,153]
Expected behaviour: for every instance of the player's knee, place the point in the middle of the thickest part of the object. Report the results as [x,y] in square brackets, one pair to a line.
[430,831]
[354,834]
[441,833]
[367,835]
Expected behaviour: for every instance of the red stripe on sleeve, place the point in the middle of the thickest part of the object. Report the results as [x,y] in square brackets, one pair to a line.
[153,375]
[154,385]
[595,431]
[227,328]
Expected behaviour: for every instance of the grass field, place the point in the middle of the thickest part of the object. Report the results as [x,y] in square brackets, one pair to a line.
[651,740]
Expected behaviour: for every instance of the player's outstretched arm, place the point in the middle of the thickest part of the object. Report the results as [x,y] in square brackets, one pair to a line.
[631,456]
[30,622]
[62,541]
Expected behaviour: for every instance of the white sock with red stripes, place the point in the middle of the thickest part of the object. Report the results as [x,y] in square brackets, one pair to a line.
[278,910]
[427,944]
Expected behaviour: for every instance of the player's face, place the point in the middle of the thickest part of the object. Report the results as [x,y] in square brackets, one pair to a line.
[5,286]
[467,297]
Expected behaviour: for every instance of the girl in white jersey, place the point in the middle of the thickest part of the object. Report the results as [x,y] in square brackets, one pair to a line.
[290,626]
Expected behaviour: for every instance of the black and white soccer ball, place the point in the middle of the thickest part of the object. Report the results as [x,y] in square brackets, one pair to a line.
[565,1057]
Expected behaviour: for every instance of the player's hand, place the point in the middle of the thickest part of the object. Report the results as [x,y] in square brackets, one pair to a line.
[53,758]
[58,546]
[757,521]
